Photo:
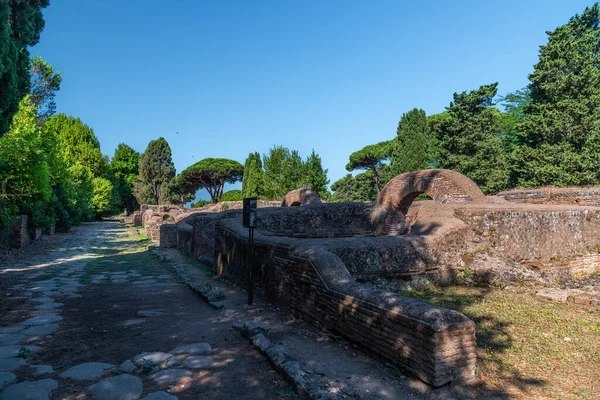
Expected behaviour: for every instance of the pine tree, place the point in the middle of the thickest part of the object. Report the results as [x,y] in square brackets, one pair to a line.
[411,149]
[467,139]
[372,158]
[560,134]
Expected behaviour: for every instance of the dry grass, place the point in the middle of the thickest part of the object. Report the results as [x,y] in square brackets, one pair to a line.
[528,348]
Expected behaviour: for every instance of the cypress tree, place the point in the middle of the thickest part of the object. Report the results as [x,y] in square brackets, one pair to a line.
[410,150]
[253,181]
[156,168]
[314,176]
[559,142]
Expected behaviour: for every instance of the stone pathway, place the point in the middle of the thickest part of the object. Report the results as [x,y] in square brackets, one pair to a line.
[59,281]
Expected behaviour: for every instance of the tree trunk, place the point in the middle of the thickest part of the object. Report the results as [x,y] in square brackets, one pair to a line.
[377,181]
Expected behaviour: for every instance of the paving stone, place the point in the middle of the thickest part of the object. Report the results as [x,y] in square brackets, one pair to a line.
[30,390]
[48,306]
[43,319]
[13,350]
[170,376]
[42,369]
[150,313]
[160,396]
[11,329]
[198,361]
[127,366]
[134,321]
[86,371]
[44,300]
[10,338]
[6,378]
[553,294]
[120,387]
[194,348]
[172,362]
[156,357]
[40,330]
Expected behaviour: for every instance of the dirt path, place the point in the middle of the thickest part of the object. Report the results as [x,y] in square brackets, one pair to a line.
[98,295]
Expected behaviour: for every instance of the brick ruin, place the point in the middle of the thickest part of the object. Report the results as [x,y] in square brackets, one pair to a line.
[317,259]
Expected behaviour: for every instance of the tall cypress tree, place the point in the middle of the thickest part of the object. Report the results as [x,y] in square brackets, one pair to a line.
[467,139]
[559,142]
[410,151]
[253,181]
[156,168]
[21,22]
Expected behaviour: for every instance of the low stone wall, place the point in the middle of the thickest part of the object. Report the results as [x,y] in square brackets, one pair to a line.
[153,216]
[582,196]
[16,235]
[319,220]
[435,344]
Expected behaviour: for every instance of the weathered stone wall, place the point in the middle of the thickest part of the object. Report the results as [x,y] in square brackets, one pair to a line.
[319,220]
[153,216]
[530,234]
[582,196]
[16,235]
[300,197]
[442,185]
[435,344]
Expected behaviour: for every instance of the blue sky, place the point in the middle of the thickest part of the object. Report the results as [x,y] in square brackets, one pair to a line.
[239,76]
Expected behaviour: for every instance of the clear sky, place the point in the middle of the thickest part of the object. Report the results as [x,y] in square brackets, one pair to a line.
[239,76]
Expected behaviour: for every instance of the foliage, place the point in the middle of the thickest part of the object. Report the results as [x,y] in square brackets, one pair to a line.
[410,150]
[44,85]
[283,172]
[201,203]
[125,170]
[370,157]
[102,197]
[467,139]
[354,188]
[24,172]
[314,177]
[560,134]
[211,174]
[156,168]
[22,23]
[253,182]
[232,195]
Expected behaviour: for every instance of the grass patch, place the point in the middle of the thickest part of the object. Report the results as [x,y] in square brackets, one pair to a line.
[527,347]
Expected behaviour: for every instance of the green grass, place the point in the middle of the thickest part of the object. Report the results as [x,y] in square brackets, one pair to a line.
[526,346]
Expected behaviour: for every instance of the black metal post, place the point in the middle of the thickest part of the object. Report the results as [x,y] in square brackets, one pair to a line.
[250,266]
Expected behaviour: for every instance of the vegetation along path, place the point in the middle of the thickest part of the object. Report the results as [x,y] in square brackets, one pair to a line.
[93,314]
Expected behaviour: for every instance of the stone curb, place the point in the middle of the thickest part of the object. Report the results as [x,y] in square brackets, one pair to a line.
[281,359]
[206,291]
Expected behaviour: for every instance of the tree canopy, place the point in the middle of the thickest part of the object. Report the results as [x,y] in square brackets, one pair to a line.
[560,133]
[354,188]
[314,177]
[125,171]
[211,174]
[411,149]
[45,82]
[253,182]
[468,142]
[22,23]
[156,168]
[370,157]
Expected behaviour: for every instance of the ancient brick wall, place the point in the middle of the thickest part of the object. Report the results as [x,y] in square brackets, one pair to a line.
[574,196]
[153,216]
[300,197]
[442,185]
[435,344]
[319,220]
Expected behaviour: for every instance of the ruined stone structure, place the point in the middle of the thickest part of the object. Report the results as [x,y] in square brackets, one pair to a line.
[582,196]
[442,185]
[316,259]
[16,235]
[300,197]
[152,217]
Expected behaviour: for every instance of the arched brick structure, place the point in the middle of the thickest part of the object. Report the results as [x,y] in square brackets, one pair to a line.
[442,185]
[300,197]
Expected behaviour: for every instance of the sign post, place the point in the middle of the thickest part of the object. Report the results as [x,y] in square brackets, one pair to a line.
[249,221]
